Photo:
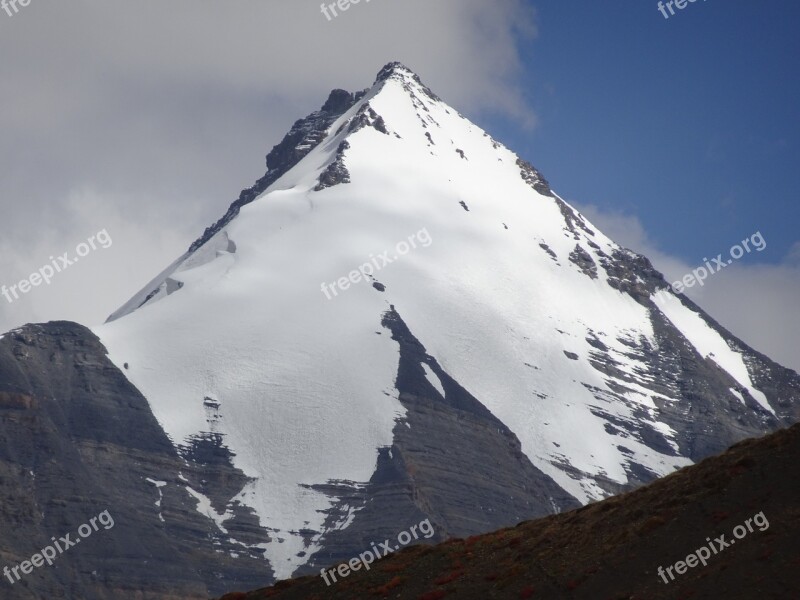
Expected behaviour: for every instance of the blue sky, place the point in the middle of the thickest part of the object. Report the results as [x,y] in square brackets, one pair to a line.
[690,123]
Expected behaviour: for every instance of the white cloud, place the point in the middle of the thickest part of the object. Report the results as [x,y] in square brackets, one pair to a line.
[147,118]
[89,290]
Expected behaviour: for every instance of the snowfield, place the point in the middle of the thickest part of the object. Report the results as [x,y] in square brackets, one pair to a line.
[306,385]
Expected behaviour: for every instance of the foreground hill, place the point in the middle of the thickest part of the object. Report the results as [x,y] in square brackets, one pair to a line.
[613,549]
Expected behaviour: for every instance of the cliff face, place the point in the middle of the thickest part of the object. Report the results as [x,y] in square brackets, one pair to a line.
[78,440]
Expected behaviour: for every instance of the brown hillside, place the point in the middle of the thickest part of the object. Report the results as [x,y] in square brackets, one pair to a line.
[612,549]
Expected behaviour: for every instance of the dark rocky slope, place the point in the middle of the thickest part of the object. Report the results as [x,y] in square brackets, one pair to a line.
[78,439]
[452,462]
[614,548]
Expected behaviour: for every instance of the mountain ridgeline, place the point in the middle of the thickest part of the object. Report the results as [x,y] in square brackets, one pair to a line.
[242,426]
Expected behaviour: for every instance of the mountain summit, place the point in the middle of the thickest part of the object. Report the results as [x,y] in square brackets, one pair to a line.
[399,321]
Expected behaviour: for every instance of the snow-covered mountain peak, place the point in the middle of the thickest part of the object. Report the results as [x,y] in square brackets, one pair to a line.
[408,79]
[395,69]
[399,280]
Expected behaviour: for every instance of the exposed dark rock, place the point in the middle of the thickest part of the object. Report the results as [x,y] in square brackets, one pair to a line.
[305,135]
[78,439]
[549,251]
[336,172]
[534,178]
[395,69]
[452,462]
[633,274]
[573,219]
[367,117]
[584,261]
